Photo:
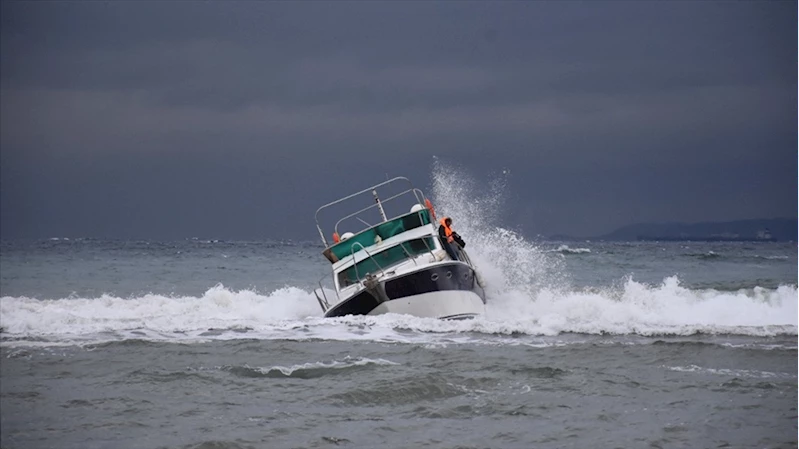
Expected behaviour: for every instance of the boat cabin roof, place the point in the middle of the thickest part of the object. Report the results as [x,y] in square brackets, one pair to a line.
[397,195]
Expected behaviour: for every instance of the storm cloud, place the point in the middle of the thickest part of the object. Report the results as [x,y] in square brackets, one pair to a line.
[236,120]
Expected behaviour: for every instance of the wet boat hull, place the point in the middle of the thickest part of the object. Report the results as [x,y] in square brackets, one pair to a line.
[447,291]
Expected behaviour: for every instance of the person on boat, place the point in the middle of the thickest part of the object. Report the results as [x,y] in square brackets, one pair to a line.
[450,238]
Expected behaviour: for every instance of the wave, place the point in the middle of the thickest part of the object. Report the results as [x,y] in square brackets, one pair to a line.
[740,373]
[291,313]
[565,249]
[152,317]
[712,255]
[309,370]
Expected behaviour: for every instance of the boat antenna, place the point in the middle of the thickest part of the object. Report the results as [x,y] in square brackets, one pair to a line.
[379,205]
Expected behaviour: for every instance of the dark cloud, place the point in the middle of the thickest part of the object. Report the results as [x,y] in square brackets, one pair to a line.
[609,112]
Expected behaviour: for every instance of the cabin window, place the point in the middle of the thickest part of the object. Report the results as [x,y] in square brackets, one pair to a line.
[385,259]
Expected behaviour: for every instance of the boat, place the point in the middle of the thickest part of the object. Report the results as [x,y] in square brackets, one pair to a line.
[397,265]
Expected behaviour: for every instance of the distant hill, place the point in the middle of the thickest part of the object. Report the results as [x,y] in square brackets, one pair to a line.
[775,229]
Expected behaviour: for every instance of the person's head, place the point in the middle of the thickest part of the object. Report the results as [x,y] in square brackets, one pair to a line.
[448,221]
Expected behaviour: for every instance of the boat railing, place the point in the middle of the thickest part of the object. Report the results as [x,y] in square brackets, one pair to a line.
[416,192]
[430,250]
[378,203]
[465,256]
[355,265]
[401,244]
[410,256]
[320,294]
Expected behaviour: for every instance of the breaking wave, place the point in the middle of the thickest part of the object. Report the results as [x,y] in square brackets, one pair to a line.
[741,373]
[220,314]
[310,370]
[528,294]
[565,249]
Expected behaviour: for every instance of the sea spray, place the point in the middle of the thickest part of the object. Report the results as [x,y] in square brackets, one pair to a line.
[515,269]
[529,287]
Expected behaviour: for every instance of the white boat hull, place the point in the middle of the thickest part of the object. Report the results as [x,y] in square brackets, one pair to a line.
[447,304]
[447,290]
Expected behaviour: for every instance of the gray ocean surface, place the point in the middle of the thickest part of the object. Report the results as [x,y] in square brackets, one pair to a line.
[216,344]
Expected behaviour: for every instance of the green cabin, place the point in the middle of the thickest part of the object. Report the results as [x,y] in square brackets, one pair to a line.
[384,230]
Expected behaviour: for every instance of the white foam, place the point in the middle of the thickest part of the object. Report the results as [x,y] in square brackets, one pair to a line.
[565,249]
[639,309]
[335,364]
[775,257]
[152,315]
[291,313]
[740,373]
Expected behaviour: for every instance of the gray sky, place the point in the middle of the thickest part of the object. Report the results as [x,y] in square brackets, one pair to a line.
[237,120]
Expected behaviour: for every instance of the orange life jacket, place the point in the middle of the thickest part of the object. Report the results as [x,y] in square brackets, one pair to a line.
[447,230]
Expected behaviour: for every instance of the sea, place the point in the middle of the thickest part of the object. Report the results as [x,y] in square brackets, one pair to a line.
[211,344]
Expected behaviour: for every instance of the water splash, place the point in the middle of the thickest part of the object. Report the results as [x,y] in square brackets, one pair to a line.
[516,270]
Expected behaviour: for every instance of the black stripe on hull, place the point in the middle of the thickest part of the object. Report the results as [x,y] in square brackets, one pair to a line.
[454,276]
[460,316]
[445,277]
[360,304]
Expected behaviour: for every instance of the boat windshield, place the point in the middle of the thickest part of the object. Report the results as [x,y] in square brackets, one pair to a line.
[385,259]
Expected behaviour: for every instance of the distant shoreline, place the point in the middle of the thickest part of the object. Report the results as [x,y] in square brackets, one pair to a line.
[704,239]
[756,230]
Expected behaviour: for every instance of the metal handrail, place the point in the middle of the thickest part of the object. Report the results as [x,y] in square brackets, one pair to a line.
[402,245]
[335,228]
[465,256]
[420,198]
[423,239]
[419,195]
[368,189]
[428,247]
[355,264]
[326,305]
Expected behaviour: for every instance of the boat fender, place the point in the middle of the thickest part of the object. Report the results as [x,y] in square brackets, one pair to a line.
[438,256]
[480,280]
[429,206]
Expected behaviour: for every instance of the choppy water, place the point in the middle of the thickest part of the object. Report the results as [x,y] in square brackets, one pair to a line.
[215,344]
